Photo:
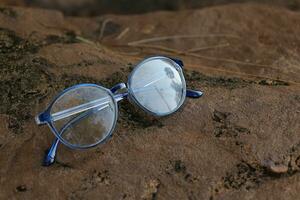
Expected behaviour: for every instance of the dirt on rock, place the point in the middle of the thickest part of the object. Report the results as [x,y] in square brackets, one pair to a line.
[241,140]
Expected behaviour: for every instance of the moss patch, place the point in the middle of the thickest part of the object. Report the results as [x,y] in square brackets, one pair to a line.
[12,46]
[22,78]
[224,128]
[273,83]
[244,176]
[67,38]
[8,12]
[194,78]
[249,176]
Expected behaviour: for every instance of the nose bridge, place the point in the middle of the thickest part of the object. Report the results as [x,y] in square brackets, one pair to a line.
[118,87]
[119,97]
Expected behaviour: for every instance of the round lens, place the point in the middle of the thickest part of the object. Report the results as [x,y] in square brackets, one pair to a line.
[84,115]
[158,85]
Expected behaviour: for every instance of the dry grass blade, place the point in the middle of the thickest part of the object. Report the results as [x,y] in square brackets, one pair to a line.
[229,60]
[103,26]
[81,39]
[241,74]
[123,33]
[208,47]
[174,51]
[158,47]
[225,71]
[172,37]
[87,41]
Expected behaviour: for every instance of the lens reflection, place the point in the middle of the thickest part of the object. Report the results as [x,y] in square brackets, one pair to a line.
[158,86]
[84,116]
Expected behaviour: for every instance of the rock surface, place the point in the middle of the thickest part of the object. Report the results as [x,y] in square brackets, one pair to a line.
[244,57]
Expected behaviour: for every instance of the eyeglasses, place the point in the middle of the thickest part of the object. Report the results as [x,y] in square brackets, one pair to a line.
[85,115]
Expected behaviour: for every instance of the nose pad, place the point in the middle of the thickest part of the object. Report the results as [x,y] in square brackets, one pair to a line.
[117,88]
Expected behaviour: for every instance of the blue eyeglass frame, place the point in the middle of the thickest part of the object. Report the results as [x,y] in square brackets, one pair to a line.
[45,117]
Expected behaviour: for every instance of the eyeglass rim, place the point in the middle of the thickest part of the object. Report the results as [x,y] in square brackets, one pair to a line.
[47,112]
[177,68]
[56,133]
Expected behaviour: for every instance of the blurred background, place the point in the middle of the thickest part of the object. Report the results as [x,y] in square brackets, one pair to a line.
[99,7]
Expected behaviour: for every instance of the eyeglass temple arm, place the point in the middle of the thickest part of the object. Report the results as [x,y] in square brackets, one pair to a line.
[193,94]
[51,152]
[49,158]
[189,93]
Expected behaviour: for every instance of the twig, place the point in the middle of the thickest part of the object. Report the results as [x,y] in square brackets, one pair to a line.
[156,39]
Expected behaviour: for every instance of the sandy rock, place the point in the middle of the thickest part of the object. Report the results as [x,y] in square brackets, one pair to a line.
[209,149]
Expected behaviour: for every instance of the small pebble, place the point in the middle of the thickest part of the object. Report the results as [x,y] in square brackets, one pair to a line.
[279,169]
[21,188]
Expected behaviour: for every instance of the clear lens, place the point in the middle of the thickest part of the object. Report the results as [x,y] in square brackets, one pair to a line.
[158,85]
[84,115]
